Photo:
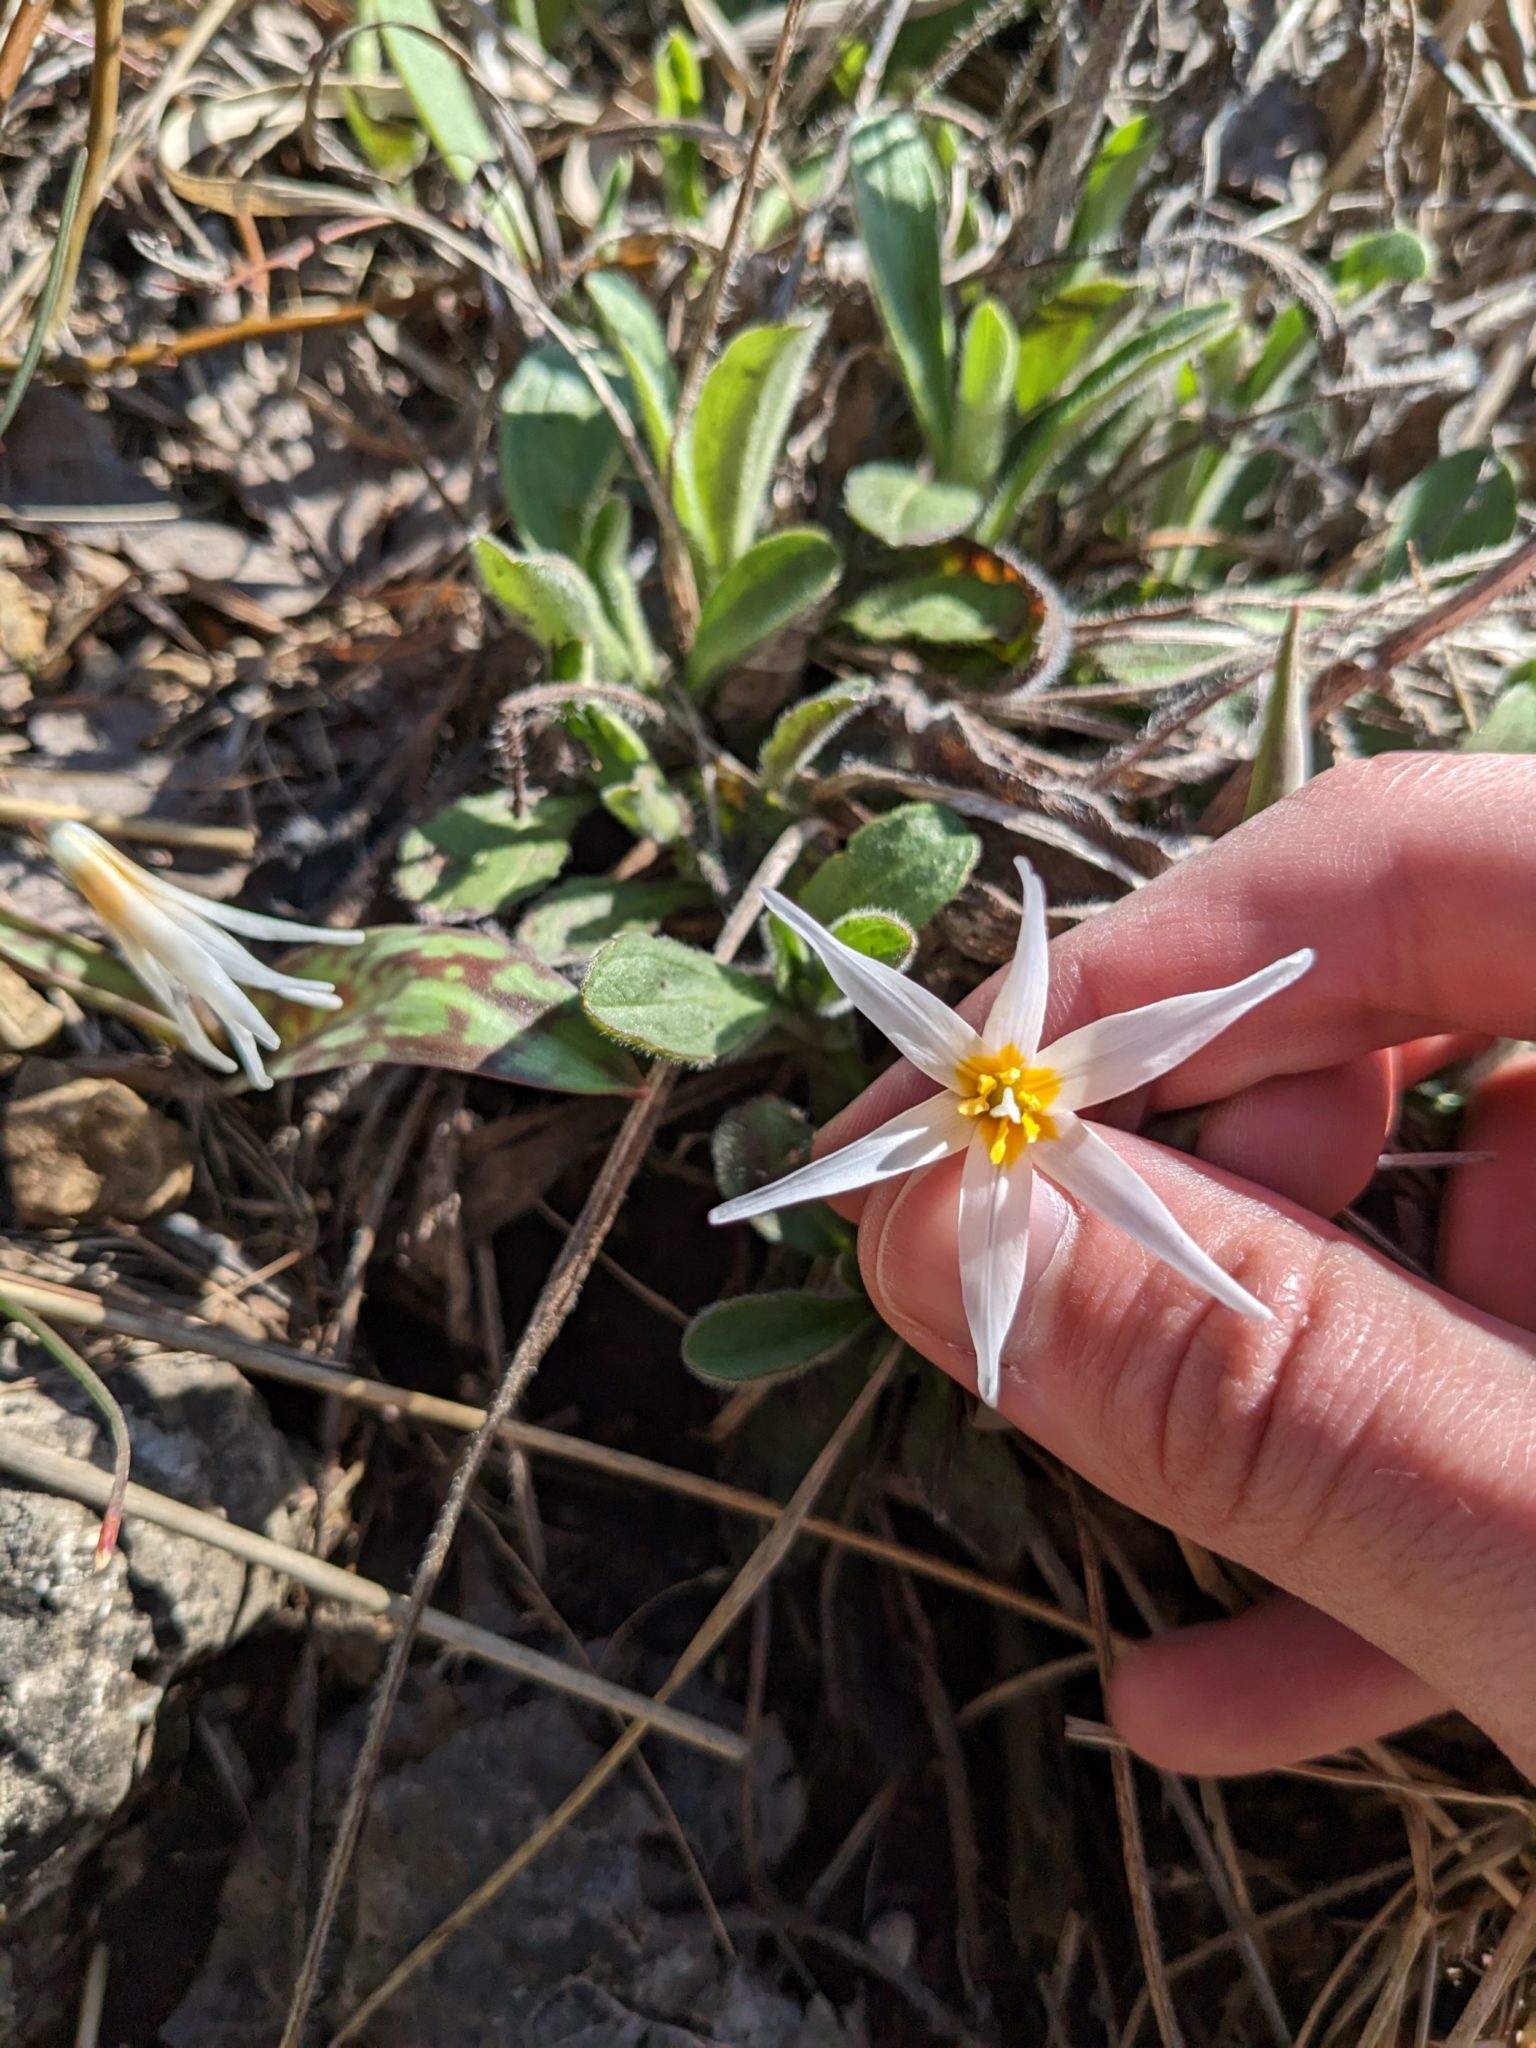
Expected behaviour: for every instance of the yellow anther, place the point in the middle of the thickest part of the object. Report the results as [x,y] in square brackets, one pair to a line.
[1015,1099]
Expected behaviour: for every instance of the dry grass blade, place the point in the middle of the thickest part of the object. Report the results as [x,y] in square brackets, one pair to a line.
[1132,1845]
[1516,1946]
[236,840]
[101,130]
[743,1590]
[73,1478]
[557,1298]
[299,1369]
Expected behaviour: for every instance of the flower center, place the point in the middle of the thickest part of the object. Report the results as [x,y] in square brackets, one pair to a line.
[1013,1098]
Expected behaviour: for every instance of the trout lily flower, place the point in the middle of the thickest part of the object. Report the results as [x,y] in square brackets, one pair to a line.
[1011,1108]
[179,946]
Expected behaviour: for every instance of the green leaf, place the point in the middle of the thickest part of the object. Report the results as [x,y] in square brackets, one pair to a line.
[734,440]
[553,601]
[772,585]
[1282,761]
[608,559]
[569,925]
[433,75]
[1510,727]
[629,779]
[878,935]
[989,368]
[674,1001]
[899,205]
[394,148]
[475,856]
[912,862]
[1048,441]
[806,726]
[680,97]
[942,611]
[1460,503]
[733,1343]
[1059,334]
[634,333]
[1394,256]
[758,1141]
[559,450]
[1113,179]
[468,1001]
[907,510]
[898,200]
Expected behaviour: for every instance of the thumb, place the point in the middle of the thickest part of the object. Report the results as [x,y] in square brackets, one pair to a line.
[1372,1449]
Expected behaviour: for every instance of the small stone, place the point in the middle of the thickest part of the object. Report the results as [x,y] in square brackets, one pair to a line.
[27,1019]
[89,1150]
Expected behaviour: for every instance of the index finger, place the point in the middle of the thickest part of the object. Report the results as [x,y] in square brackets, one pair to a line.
[1413,877]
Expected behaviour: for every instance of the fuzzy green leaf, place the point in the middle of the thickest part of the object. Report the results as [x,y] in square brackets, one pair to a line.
[911,862]
[468,1001]
[905,509]
[942,611]
[989,369]
[608,561]
[1460,503]
[898,200]
[772,585]
[758,1336]
[674,1001]
[879,935]
[761,1140]
[415,39]
[1113,179]
[1050,440]
[1510,727]
[736,436]
[553,601]
[1058,335]
[634,333]
[806,726]
[559,449]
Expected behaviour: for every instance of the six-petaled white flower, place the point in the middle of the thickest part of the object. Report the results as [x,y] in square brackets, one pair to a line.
[1012,1107]
[179,946]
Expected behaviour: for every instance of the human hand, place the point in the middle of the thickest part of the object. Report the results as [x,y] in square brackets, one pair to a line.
[1373,1449]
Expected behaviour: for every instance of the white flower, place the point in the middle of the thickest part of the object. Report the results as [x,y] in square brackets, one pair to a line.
[1011,1107]
[179,946]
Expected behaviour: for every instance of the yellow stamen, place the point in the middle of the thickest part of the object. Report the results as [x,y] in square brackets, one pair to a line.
[1015,1098]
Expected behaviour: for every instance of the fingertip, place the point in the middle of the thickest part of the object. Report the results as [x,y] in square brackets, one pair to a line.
[1273,1686]
[1485,1222]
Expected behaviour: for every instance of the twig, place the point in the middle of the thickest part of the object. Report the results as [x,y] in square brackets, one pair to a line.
[722,1618]
[93,1996]
[105,1404]
[1122,1770]
[233,839]
[77,1480]
[26,25]
[1516,1945]
[557,1298]
[301,1369]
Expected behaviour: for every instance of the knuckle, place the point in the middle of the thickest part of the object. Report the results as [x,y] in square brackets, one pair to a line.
[1229,1415]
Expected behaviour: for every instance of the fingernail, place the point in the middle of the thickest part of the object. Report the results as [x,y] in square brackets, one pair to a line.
[917,1261]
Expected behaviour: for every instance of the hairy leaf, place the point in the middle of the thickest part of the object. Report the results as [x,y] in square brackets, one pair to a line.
[773,584]
[757,1336]
[674,1001]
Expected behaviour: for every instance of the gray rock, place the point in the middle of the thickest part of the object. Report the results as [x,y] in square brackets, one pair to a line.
[85,1657]
[577,1953]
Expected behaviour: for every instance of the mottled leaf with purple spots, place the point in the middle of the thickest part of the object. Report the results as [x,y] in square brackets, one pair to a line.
[469,1001]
